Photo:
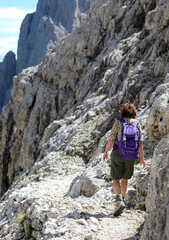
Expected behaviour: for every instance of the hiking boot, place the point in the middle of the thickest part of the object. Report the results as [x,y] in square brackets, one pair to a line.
[119,205]
[123,199]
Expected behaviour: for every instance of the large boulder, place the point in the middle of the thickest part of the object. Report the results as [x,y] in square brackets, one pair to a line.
[86,184]
[158,119]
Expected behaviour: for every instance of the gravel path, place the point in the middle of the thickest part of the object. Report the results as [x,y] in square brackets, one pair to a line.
[55,215]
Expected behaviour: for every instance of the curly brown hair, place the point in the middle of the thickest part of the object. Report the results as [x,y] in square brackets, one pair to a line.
[128,111]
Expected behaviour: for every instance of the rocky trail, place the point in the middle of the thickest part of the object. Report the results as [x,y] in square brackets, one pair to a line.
[42,199]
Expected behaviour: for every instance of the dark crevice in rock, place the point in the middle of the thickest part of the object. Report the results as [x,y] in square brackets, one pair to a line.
[33,103]
[139,21]
[6,159]
[118,25]
[152,5]
[144,34]
[29,23]
[99,46]
[57,104]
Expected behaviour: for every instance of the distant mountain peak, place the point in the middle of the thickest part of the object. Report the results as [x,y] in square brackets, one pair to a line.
[52,20]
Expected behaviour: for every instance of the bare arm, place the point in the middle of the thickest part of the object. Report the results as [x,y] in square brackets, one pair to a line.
[108,145]
[142,162]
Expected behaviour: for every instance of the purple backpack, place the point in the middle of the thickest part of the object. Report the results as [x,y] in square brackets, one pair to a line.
[130,140]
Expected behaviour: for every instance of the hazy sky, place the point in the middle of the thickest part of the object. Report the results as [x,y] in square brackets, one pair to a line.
[12,12]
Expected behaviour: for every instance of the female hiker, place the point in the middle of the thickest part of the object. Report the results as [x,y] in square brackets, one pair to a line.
[127,146]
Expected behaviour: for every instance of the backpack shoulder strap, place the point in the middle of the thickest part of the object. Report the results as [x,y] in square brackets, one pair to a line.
[135,123]
[121,120]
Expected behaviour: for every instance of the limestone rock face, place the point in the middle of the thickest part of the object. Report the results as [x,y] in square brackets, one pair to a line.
[41,31]
[96,68]
[157,199]
[7,71]
[158,196]
[64,109]
[158,120]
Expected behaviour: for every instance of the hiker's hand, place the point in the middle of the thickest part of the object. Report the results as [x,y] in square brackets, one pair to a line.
[105,156]
[142,163]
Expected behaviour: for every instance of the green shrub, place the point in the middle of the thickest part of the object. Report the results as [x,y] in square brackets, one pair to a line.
[21,218]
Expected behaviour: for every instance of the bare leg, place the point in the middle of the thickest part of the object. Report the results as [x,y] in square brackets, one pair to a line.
[119,204]
[116,186]
[123,187]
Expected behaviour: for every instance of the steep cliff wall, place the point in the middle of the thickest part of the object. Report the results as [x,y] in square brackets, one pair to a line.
[109,56]
[7,71]
[157,201]
[68,102]
[40,31]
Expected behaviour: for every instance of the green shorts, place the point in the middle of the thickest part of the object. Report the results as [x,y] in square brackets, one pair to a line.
[120,167]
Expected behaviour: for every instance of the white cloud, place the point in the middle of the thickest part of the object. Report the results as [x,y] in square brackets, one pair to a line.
[10,22]
[10,27]
[6,45]
[13,13]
